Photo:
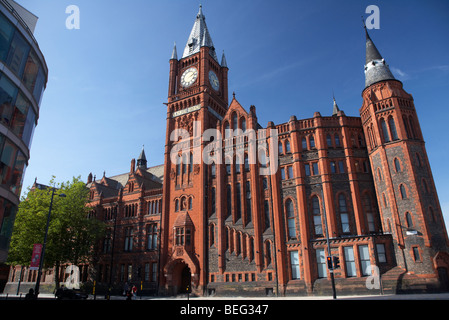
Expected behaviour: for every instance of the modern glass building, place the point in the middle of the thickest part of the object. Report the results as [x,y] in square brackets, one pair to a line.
[23,77]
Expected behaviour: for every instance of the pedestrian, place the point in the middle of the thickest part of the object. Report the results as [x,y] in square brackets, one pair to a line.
[30,295]
[125,288]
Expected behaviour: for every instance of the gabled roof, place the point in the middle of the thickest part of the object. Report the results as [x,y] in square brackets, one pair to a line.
[199,37]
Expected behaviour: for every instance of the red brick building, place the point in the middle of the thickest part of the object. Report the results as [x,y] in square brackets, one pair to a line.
[234,224]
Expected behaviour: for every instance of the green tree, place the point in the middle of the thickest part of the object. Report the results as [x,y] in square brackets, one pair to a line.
[72,235]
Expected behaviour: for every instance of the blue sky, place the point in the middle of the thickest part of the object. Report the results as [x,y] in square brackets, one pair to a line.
[108,80]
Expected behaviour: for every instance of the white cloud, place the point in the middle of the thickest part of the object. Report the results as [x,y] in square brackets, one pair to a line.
[400,74]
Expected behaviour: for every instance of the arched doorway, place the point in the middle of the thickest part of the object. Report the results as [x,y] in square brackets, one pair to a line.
[182,277]
[186,279]
[444,278]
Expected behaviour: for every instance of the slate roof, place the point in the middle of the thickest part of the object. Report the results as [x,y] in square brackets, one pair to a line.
[199,37]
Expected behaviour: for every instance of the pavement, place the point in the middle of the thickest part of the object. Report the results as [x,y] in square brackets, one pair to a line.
[426,296]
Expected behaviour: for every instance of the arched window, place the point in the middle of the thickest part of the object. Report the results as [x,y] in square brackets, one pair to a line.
[394,133]
[418,160]
[426,187]
[227,132]
[287,146]
[248,202]
[368,209]
[228,201]
[211,235]
[329,140]
[407,130]
[344,215]
[238,202]
[312,142]
[304,143]
[183,203]
[408,219]
[191,162]
[267,253]
[246,162]
[412,128]
[432,214]
[403,192]
[290,213]
[176,205]
[234,121]
[212,200]
[316,212]
[397,165]
[384,130]
[243,122]
[281,150]
[190,203]
[337,140]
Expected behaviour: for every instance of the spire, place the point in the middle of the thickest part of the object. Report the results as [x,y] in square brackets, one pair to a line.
[223,61]
[371,51]
[199,37]
[335,108]
[376,68]
[174,54]
[142,160]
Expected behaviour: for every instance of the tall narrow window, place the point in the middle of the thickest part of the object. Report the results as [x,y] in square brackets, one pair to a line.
[212,200]
[228,200]
[394,133]
[397,165]
[281,150]
[234,121]
[385,133]
[287,146]
[350,262]
[246,163]
[267,214]
[329,141]
[407,130]
[294,263]
[312,142]
[408,219]
[316,212]
[152,237]
[238,211]
[321,263]
[290,213]
[381,254]
[367,207]
[212,170]
[344,215]
[128,238]
[337,141]
[304,143]
[365,263]
[248,202]
[403,192]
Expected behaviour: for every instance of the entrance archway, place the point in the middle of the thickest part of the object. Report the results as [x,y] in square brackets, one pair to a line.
[186,280]
[182,278]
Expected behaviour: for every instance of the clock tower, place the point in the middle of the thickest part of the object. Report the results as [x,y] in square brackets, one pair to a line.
[197,100]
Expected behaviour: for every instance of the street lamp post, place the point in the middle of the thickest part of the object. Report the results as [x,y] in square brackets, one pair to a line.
[331,269]
[41,262]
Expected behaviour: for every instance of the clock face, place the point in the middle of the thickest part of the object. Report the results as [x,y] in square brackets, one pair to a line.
[189,77]
[213,79]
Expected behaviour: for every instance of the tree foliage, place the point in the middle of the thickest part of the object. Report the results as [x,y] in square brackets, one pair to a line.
[71,234]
